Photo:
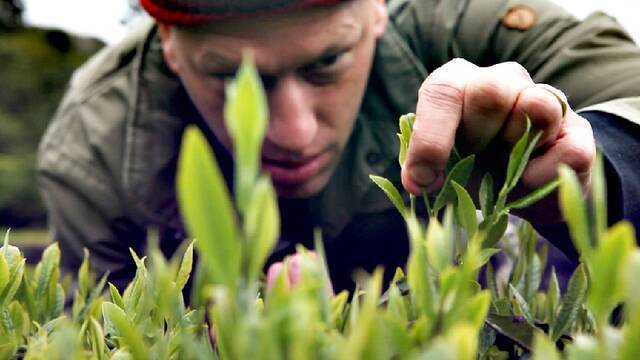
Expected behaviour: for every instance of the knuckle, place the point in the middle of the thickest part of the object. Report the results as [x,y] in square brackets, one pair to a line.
[441,94]
[489,95]
[516,68]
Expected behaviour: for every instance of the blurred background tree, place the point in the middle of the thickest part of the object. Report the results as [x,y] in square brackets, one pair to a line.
[10,14]
[35,66]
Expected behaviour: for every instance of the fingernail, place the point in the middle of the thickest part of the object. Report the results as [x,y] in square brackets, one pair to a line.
[422,175]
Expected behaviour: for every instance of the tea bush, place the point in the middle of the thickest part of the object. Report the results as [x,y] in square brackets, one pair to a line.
[433,309]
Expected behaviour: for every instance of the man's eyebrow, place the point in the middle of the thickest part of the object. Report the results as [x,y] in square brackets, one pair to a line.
[213,60]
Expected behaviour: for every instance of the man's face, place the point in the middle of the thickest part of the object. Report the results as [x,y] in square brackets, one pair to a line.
[314,62]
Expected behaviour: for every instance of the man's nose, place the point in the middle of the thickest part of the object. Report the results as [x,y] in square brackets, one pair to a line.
[293,124]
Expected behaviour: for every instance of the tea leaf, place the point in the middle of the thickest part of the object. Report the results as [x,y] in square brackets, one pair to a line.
[473,311]
[115,296]
[544,349]
[392,193]
[186,266]
[465,210]
[419,274]
[609,261]
[630,347]
[439,246]
[406,127]
[262,226]
[396,306]
[522,162]
[486,254]
[206,207]
[490,280]
[487,196]
[574,210]
[47,274]
[96,338]
[338,309]
[571,302]
[12,285]
[246,115]
[523,306]
[632,285]
[534,196]
[124,330]
[553,297]
[460,173]
[402,156]
[495,230]
[4,272]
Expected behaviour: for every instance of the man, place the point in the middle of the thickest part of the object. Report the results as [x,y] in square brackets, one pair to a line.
[337,74]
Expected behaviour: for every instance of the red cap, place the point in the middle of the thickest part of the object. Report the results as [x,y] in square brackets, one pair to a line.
[197,12]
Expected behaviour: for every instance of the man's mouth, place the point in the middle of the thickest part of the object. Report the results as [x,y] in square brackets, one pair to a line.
[295,172]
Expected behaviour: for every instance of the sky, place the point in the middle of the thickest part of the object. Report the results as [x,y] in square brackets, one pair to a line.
[104,18]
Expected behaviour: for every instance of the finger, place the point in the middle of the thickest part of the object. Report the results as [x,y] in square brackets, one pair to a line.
[438,115]
[545,110]
[489,99]
[574,146]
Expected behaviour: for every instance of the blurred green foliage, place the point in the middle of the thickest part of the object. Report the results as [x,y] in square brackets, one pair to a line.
[35,66]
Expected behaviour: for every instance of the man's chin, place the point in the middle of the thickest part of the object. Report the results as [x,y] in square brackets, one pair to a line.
[299,191]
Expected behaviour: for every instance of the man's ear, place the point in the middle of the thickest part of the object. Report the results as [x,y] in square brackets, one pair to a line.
[168,40]
[381,17]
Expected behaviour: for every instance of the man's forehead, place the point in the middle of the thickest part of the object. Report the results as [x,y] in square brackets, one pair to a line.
[275,39]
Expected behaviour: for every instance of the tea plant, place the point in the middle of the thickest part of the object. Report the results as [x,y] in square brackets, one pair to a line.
[434,308]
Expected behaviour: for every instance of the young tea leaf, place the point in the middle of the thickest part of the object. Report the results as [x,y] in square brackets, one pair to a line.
[494,231]
[246,115]
[606,272]
[262,226]
[392,193]
[4,272]
[419,274]
[465,210]
[523,306]
[487,196]
[129,336]
[460,173]
[574,210]
[207,208]
[571,303]
[553,297]
[534,196]
[544,349]
[186,266]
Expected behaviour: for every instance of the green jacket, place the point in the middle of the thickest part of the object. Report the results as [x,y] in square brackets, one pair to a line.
[107,162]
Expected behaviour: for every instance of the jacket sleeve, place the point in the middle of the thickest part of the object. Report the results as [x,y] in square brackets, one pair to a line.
[84,207]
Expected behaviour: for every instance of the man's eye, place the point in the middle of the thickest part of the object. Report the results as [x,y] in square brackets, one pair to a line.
[326,62]
[223,76]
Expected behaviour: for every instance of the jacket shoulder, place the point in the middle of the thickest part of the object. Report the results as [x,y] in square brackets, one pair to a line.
[110,60]
[87,135]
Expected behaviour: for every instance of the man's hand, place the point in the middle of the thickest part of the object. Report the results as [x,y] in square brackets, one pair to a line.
[473,107]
